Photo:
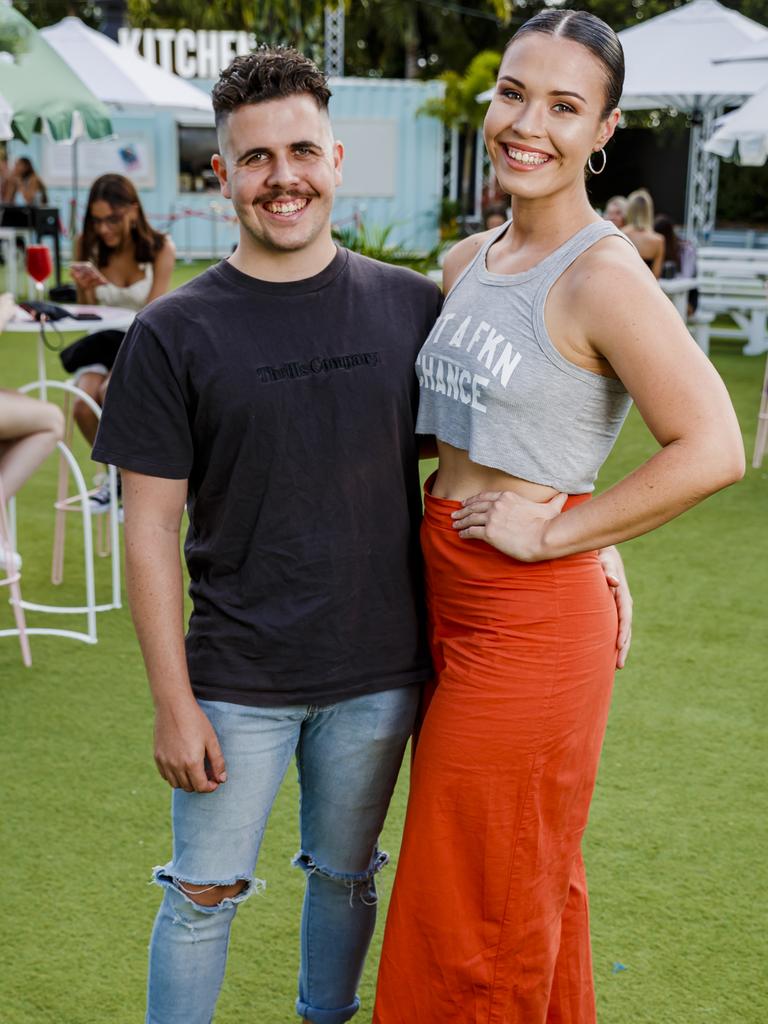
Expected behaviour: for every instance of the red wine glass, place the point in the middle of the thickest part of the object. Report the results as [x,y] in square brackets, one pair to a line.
[39,266]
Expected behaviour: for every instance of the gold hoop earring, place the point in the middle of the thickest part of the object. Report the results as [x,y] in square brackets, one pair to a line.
[589,162]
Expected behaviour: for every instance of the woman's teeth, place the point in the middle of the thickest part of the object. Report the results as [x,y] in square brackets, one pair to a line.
[525,157]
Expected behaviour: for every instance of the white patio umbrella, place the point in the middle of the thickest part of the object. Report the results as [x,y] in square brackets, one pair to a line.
[755,51]
[743,132]
[6,119]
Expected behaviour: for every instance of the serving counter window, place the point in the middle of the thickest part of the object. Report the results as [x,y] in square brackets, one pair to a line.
[197,144]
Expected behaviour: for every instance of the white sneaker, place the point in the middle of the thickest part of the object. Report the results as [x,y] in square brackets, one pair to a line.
[99,500]
[15,561]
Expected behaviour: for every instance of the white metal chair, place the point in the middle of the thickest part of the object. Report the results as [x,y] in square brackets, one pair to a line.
[72,503]
[761,438]
[11,578]
[80,504]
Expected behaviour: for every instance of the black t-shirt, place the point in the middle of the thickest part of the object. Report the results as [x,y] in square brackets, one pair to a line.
[290,409]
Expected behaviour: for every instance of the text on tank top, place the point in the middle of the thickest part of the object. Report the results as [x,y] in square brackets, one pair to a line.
[493,384]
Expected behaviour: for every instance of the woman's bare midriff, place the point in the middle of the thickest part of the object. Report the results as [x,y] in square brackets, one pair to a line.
[459,478]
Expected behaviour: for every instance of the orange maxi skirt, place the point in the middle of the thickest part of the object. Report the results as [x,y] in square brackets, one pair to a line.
[488,922]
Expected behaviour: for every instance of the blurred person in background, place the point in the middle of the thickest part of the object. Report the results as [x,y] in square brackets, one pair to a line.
[679,256]
[24,185]
[639,230]
[494,216]
[616,211]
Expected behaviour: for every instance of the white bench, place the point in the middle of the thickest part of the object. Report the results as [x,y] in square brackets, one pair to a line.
[733,282]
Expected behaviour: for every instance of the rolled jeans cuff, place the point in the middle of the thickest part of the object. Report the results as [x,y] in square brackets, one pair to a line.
[337,1016]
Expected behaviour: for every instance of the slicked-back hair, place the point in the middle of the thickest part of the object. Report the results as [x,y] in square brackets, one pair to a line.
[593,33]
[268,73]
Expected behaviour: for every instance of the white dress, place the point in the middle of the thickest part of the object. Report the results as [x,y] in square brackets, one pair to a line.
[132,296]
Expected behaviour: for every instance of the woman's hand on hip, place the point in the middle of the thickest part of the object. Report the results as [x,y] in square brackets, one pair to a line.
[505,520]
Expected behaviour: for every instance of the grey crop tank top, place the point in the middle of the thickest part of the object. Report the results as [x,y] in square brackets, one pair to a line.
[492,383]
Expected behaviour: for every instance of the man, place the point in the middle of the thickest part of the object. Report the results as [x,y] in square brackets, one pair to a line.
[275,396]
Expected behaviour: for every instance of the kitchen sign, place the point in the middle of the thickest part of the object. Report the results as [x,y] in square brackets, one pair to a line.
[189,54]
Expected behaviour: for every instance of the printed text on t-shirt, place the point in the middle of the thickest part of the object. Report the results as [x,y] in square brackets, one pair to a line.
[320,364]
[450,377]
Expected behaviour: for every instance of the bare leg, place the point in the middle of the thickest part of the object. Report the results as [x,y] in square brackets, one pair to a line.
[29,431]
[92,384]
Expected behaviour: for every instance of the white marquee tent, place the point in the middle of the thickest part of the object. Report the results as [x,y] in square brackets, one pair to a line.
[671,58]
[119,77]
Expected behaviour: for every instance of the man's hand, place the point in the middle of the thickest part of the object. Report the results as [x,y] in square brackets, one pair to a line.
[187,751]
[613,567]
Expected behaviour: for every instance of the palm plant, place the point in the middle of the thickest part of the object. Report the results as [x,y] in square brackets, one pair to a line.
[458,108]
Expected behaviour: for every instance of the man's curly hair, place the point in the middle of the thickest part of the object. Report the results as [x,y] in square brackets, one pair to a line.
[268,73]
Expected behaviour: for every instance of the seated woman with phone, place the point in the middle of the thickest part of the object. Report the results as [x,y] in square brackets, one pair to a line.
[120,261]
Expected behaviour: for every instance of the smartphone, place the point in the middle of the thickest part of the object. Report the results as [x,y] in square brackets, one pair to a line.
[87,265]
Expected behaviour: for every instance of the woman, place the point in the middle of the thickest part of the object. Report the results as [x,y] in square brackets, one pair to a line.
[679,256]
[24,185]
[639,230]
[525,381]
[121,261]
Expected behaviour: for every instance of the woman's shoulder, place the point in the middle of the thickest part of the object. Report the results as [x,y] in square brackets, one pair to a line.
[462,254]
[611,266]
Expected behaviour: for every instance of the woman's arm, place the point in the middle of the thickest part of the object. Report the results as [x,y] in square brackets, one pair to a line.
[658,259]
[162,270]
[679,395]
[86,293]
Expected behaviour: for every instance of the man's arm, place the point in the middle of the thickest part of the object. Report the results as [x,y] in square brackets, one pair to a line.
[187,751]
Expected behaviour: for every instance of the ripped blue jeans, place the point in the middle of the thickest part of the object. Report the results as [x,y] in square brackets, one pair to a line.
[348,755]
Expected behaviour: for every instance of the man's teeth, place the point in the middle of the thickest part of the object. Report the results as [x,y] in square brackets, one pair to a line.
[291,206]
[524,157]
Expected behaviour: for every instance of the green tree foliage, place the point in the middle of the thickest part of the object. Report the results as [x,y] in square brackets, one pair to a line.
[47,12]
[295,22]
[403,38]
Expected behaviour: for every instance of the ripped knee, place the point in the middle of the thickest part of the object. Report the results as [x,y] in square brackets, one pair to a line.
[361,885]
[210,895]
[207,896]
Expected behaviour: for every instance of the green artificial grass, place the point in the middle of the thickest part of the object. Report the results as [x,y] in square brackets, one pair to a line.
[675,849]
